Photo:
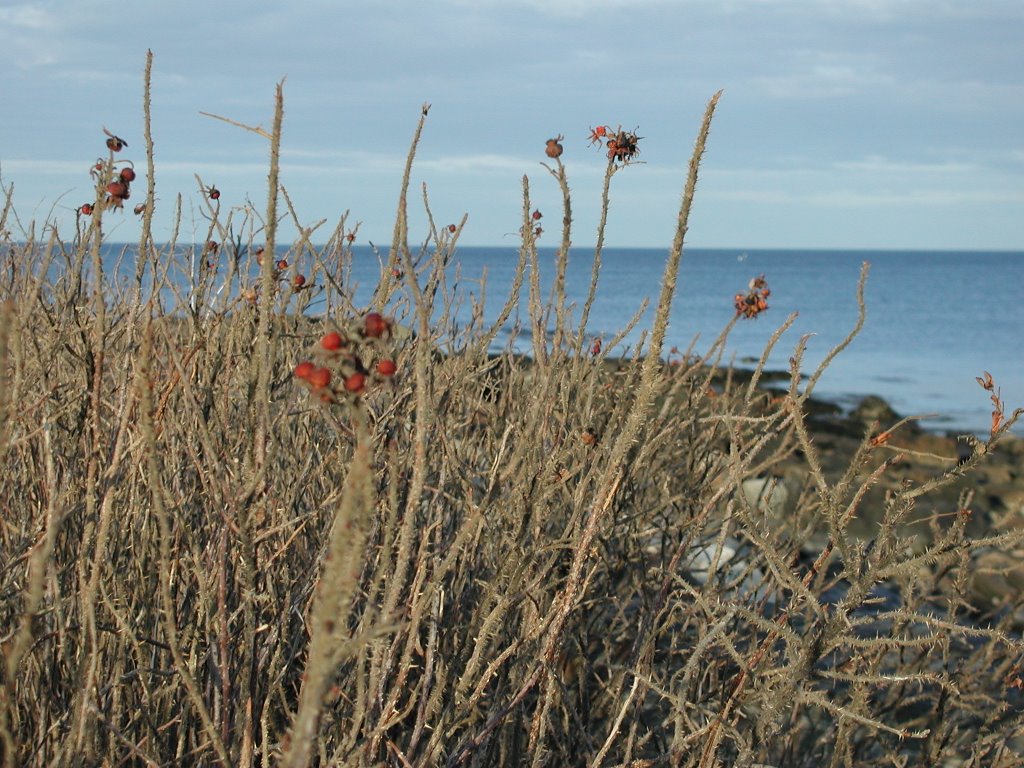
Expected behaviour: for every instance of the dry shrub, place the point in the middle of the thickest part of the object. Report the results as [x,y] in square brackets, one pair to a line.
[492,560]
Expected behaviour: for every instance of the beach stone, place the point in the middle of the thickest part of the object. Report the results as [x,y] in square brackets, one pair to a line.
[767,495]
[997,578]
[873,408]
[1012,500]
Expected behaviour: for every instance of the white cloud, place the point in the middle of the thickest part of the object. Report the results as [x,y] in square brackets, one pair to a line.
[27,17]
[876,164]
[483,163]
[26,36]
[847,198]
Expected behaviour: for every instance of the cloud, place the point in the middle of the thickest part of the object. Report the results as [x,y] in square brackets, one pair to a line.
[876,164]
[45,167]
[27,17]
[482,163]
[849,198]
[808,73]
[26,36]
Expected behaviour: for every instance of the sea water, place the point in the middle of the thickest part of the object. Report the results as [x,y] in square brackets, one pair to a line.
[935,320]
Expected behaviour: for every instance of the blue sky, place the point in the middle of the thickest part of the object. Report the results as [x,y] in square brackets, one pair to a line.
[843,123]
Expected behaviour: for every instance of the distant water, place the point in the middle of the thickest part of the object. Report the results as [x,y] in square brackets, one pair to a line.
[935,320]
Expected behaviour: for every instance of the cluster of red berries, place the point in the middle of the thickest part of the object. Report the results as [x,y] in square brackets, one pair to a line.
[251,294]
[298,279]
[118,189]
[623,146]
[348,363]
[755,300]
[538,230]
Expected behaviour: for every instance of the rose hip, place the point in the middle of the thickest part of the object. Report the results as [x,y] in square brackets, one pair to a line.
[375,325]
[320,378]
[356,382]
[332,341]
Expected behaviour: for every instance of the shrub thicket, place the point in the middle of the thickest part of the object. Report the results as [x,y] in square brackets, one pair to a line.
[466,558]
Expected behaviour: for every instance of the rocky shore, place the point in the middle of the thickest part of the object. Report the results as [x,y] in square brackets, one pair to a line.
[993,491]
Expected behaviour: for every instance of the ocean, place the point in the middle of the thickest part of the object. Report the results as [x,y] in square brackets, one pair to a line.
[935,320]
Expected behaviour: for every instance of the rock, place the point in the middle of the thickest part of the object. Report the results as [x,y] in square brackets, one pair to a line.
[731,568]
[998,577]
[874,409]
[767,495]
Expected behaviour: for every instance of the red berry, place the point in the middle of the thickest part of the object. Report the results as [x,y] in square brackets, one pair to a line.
[115,144]
[452,228]
[375,325]
[356,382]
[86,209]
[117,189]
[298,281]
[282,264]
[214,193]
[386,367]
[140,208]
[320,378]
[332,341]
[127,174]
[537,215]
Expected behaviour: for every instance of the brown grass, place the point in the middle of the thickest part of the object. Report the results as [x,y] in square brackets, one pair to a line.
[491,561]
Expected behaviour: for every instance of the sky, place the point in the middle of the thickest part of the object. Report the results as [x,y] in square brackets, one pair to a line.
[842,124]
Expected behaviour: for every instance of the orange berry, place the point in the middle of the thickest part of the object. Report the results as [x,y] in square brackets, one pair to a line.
[386,367]
[319,378]
[356,382]
[304,369]
[332,341]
